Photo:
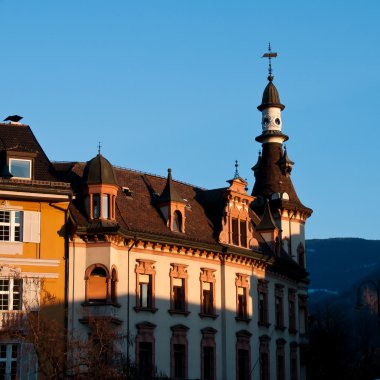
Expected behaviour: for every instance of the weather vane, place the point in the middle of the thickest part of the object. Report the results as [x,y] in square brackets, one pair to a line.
[99,147]
[269,55]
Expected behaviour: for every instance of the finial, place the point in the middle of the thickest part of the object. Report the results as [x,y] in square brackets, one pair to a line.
[99,148]
[169,170]
[246,188]
[270,55]
[237,175]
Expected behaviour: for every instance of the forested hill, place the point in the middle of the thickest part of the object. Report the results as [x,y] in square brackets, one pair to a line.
[336,265]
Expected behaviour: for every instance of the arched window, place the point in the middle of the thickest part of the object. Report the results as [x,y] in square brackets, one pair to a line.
[113,286]
[177,221]
[96,206]
[97,284]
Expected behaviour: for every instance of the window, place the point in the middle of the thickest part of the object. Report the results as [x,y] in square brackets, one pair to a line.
[10,225]
[262,288]
[20,168]
[178,285]
[243,233]
[292,311]
[145,349]
[177,221]
[178,357]
[235,231]
[207,279]
[243,355]
[242,288]
[279,306]
[10,294]
[8,361]
[114,281]
[97,284]
[280,359]
[145,276]
[264,357]
[208,359]
[293,361]
[302,314]
[301,255]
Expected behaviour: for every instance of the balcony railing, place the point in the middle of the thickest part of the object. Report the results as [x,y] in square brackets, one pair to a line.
[105,311]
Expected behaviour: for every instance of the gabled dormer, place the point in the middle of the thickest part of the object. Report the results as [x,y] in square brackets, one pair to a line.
[237,228]
[100,189]
[172,206]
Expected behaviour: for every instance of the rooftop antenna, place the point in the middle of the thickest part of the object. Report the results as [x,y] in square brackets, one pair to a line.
[99,148]
[237,175]
[270,55]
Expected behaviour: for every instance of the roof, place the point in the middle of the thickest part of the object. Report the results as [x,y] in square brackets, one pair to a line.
[271,98]
[99,171]
[18,140]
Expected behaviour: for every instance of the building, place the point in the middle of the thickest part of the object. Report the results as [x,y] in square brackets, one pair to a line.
[205,284]
[33,213]
[208,284]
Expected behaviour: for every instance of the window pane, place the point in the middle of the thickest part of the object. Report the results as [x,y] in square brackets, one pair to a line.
[235,235]
[179,361]
[4,216]
[96,206]
[143,295]
[208,363]
[4,233]
[178,298]
[20,168]
[145,360]
[243,233]
[105,206]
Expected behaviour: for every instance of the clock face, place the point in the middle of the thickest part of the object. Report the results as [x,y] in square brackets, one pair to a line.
[266,122]
[277,121]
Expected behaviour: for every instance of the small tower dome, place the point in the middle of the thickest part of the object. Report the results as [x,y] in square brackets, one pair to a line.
[99,171]
[271,98]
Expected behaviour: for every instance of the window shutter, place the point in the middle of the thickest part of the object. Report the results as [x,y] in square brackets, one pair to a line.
[31,227]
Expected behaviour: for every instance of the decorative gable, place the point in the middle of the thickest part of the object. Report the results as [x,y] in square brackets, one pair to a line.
[237,227]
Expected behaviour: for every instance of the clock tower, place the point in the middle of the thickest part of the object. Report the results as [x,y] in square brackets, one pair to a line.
[272,171]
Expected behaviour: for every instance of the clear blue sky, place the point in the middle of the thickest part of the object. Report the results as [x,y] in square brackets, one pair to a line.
[175,83]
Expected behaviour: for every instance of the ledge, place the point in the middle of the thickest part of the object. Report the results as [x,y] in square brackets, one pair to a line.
[263,324]
[178,312]
[138,309]
[212,316]
[92,304]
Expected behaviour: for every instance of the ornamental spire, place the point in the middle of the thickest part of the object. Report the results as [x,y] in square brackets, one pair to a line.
[269,55]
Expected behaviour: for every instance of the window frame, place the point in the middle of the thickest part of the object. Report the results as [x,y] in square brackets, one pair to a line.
[207,276]
[95,301]
[12,225]
[279,307]
[292,311]
[10,293]
[208,341]
[178,272]
[145,268]
[9,360]
[20,159]
[243,344]
[145,334]
[179,337]
[262,303]
[264,352]
[280,363]
[242,282]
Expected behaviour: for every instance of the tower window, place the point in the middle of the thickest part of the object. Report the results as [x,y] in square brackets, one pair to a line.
[105,206]
[96,206]
[243,233]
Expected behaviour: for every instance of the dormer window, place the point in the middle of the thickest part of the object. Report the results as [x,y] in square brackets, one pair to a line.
[177,221]
[20,168]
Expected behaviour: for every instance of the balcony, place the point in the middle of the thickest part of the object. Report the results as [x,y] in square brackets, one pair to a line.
[92,311]
[12,320]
